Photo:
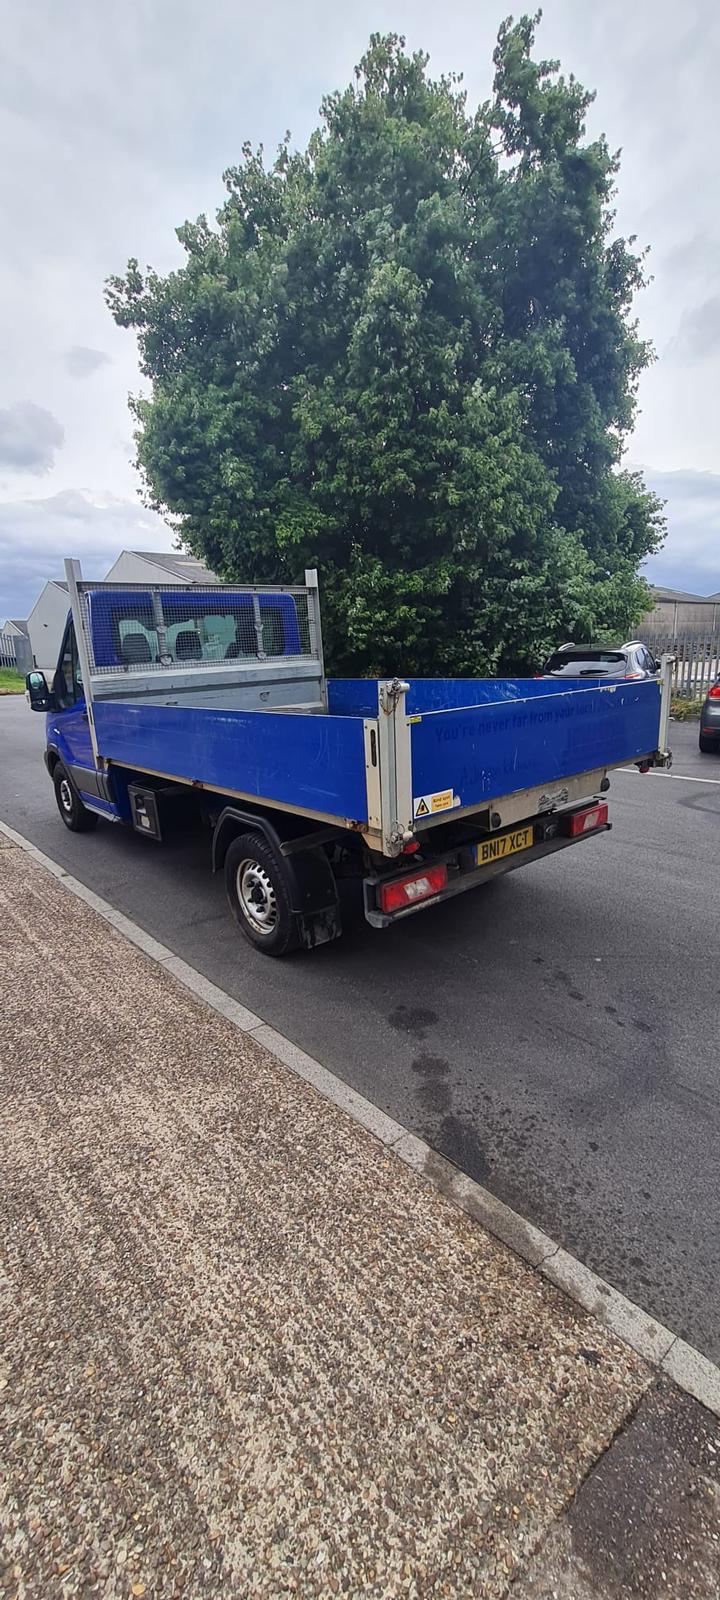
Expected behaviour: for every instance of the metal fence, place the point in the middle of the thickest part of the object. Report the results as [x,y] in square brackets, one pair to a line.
[697,656]
[15,652]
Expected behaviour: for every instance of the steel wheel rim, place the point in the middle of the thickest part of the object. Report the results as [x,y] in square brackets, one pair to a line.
[256,897]
[66,799]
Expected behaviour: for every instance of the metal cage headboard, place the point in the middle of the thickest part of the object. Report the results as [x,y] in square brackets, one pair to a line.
[133,629]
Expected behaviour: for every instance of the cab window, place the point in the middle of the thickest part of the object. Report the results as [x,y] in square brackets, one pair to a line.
[67,684]
[195,632]
[138,641]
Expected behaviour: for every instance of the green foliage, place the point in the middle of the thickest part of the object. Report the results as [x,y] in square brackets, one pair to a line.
[11,682]
[683,709]
[406,355]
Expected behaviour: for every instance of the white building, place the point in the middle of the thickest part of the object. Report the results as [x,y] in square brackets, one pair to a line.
[159,566]
[46,624]
[15,644]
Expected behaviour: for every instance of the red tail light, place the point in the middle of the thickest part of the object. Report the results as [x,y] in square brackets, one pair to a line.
[714,693]
[634,675]
[419,886]
[588,820]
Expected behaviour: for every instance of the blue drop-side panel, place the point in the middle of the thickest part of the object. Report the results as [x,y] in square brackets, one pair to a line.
[448,694]
[313,762]
[358,697]
[353,697]
[513,742]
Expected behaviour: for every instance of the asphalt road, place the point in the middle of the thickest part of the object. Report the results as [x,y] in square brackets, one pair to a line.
[555,1034]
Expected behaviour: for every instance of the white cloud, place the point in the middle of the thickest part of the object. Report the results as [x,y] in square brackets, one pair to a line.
[698,336]
[112,136]
[29,438]
[81,360]
[691,557]
[36,535]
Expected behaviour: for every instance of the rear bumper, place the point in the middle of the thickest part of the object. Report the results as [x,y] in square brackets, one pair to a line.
[466,874]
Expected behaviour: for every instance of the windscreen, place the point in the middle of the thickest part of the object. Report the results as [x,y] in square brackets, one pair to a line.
[587,663]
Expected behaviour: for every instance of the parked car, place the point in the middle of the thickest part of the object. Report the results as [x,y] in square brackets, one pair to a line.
[632,660]
[710,721]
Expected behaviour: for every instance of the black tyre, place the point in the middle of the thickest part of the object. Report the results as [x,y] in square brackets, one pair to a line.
[73,812]
[258,891]
[707,744]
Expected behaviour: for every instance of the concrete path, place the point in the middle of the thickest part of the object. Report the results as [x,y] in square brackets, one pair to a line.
[246,1351]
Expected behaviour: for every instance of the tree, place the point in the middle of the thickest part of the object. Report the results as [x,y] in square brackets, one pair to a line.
[406,355]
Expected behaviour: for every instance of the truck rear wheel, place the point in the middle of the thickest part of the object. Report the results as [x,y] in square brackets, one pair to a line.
[74,814]
[258,894]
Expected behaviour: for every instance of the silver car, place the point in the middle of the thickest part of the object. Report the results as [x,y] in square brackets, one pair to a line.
[631,660]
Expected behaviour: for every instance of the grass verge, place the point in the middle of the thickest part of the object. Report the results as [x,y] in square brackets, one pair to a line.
[684,710]
[11,682]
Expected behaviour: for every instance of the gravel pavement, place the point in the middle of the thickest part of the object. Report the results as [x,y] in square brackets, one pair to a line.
[247,1352]
[554,1034]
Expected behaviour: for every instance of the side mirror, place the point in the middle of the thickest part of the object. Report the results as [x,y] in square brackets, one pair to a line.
[38,693]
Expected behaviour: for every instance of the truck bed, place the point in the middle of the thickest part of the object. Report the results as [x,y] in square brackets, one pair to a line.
[458,744]
[304,761]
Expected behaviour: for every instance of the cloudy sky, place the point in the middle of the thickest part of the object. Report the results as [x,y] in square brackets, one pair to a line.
[116,125]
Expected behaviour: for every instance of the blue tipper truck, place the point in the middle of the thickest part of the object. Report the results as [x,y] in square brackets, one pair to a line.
[421,788]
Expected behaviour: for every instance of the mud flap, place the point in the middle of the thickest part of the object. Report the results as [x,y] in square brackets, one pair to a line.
[314,897]
[319,927]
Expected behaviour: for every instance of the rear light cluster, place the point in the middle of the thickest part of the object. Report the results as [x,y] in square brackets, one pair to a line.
[418,886]
[586,821]
[714,693]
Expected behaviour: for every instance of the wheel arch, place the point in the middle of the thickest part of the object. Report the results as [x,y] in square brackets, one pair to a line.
[310,880]
[231,822]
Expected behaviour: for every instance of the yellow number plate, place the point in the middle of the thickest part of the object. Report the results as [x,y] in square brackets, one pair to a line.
[502,845]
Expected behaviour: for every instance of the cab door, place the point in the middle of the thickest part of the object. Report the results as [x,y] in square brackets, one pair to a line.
[70,726]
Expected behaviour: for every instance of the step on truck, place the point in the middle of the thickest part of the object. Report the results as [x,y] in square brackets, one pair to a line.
[421,788]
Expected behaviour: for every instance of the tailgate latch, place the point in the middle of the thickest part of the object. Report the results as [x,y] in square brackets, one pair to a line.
[389,694]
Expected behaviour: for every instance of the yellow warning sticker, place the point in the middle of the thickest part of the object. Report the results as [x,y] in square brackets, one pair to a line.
[426,804]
